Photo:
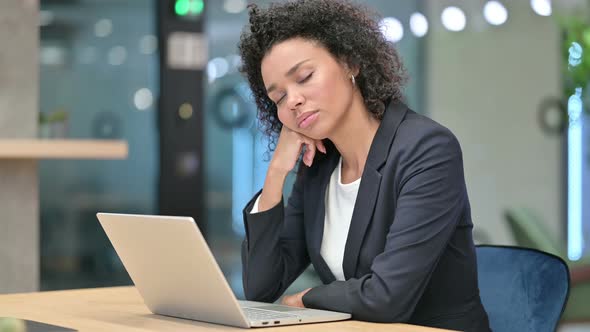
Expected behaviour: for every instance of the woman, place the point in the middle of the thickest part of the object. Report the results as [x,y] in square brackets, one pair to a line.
[379,205]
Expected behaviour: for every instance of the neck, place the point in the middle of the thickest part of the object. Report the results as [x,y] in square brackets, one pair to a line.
[354,137]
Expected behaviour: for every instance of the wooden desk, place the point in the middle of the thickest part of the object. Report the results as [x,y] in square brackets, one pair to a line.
[62,149]
[122,309]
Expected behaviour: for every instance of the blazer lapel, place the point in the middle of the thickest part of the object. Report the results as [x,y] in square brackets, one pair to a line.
[317,189]
[369,186]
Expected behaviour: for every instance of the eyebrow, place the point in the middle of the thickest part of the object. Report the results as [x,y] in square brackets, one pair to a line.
[289,73]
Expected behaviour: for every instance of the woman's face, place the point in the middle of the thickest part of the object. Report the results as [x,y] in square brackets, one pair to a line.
[312,90]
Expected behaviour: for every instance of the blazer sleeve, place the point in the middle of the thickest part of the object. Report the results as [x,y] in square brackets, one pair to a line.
[274,252]
[431,201]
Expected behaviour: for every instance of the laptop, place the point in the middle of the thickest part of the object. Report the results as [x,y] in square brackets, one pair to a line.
[176,274]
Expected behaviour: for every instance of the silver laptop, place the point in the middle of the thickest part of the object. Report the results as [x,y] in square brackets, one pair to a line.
[174,271]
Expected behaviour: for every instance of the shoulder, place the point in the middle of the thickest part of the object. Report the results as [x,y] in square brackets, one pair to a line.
[422,144]
[419,128]
[418,134]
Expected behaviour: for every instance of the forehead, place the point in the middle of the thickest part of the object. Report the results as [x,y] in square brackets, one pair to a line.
[286,54]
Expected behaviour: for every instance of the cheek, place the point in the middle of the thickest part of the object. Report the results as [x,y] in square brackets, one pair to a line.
[288,120]
[327,90]
[281,115]
[284,117]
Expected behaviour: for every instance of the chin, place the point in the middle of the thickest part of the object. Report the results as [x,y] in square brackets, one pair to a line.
[315,134]
[320,131]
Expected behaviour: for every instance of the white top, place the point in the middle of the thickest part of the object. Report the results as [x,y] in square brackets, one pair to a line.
[339,202]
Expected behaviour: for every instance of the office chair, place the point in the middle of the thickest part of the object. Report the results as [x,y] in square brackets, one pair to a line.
[529,230]
[522,289]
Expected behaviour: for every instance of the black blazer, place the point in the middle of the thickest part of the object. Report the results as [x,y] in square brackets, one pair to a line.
[409,255]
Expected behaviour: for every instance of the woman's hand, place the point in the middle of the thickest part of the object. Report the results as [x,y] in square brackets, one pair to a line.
[285,157]
[290,146]
[295,300]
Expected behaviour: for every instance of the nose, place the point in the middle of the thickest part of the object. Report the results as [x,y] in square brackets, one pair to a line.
[296,100]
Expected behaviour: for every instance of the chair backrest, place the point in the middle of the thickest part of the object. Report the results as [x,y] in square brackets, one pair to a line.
[522,289]
[529,231]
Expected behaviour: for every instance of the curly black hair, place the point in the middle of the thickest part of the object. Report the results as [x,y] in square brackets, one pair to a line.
[349,32]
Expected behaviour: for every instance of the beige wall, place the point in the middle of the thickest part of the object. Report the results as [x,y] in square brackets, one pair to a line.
[485,84]
[19,206]
[19,78]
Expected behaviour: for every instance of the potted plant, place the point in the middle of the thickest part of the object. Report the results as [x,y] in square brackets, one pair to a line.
[54,124]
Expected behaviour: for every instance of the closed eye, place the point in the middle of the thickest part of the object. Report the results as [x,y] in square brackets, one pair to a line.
[306,78]
[300,82]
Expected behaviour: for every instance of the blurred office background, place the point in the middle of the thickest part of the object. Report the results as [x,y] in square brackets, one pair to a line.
[502,75]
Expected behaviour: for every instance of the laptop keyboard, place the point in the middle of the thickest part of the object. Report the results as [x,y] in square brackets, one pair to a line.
[257,314]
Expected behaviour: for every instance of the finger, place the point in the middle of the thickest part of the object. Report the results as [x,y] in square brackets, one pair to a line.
[301,294]
[309,152]
[302,150]
[320,145]
[287,300]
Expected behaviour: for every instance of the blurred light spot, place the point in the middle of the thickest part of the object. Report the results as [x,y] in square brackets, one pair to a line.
[117,55]
[143,99]
[211,72]
[187,164]
[575,54]
[542,7]
[46,17]
[182,7]
[234,61]
[234,6]
[189,7]
[148,44]
[392,29]
[453,18]
[418,25]
[103,27]
[216,68]
[52,56]
[495,13]
[575,177]
[185,111]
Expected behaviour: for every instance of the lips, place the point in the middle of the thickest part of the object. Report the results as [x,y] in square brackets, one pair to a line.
[301,119]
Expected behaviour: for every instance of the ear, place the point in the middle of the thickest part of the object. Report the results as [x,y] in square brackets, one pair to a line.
[350,69]
[355,70]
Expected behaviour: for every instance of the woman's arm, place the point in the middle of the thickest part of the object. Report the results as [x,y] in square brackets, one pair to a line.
[274,252]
